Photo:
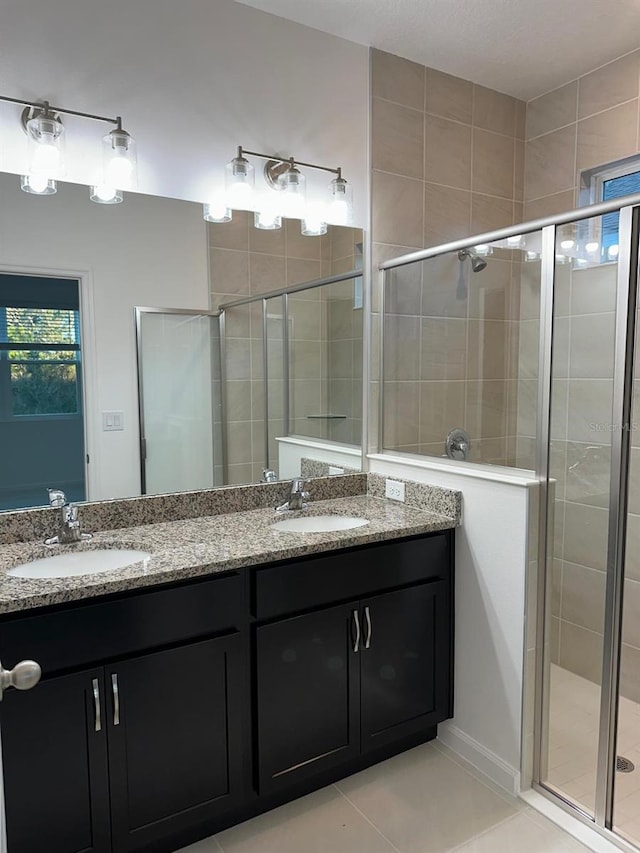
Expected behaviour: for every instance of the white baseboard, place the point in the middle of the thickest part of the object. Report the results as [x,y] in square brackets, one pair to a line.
[480,757]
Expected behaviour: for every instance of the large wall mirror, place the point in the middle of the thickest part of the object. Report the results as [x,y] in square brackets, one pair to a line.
[216,396]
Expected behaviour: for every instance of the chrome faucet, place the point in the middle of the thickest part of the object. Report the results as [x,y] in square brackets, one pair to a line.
[297,497]
[269,476]
[69,527]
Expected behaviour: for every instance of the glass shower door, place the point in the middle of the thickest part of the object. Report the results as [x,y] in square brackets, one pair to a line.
[179,398]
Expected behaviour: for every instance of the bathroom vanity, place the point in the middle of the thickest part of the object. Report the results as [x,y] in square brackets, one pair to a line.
[167,712]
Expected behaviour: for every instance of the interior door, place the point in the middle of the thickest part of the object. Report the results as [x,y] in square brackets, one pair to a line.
[179,397]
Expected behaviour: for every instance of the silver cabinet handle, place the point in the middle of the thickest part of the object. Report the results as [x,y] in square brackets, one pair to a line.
[23,676]
[356,619]
[367,616]
[96,703]
[116,698]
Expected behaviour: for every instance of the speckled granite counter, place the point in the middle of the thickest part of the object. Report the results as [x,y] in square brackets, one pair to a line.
[201,546]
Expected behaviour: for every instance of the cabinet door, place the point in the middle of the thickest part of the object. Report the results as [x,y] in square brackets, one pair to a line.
[54,758]
[175,740]
[307,689]
[406,669]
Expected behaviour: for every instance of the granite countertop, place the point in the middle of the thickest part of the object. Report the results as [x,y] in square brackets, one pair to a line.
[206,545]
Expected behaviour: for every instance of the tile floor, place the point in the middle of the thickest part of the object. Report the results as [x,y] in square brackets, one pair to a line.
[574,714]
[423,801]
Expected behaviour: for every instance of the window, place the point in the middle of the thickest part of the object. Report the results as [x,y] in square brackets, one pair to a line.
[615,180]
[39,348]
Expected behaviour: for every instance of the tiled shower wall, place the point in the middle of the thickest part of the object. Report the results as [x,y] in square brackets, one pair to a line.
[447,160]
[249,261]
[587,123]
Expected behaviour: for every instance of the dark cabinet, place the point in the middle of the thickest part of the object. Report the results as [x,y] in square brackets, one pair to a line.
[125,756]
[307,687]
[54,753]
[342,681]
[405,662]
[175,740]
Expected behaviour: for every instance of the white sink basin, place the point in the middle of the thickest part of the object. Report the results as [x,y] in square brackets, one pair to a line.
[79,563]
[319,523]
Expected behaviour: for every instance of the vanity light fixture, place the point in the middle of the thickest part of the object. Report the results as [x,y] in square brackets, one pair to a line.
[283,176]
[45,131]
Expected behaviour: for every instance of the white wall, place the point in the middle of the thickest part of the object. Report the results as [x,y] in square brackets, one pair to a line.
[146,252]
[192,80]
[490,590]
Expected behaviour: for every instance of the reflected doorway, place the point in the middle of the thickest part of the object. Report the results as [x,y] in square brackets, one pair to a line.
[41,400]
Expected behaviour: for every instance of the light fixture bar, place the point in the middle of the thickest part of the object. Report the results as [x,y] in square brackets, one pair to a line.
[291,160]
[45,105]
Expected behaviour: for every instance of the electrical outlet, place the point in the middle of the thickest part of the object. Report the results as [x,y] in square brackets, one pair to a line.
[394,490]
[334,470]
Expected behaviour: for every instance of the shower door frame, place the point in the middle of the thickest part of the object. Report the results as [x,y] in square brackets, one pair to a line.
[625,335]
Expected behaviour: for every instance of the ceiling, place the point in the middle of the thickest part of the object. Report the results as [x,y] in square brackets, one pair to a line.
[521,47]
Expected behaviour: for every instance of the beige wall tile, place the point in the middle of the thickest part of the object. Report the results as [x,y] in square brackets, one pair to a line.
[585,535]
[489,213]
[239,442]
[590,403]
[447,214]
[266,242]
[553,110]
[397,139]
[608,136]
[518,170]
[230,235]
[493,158]
[229,271]
[490,291]
[403,294]
[581,651]
[397,79]
[439,288]
[306,320]
[449,97]
[494,111]
[550,163]
[343,240]
[629,669]
[583,596]
[267,272]
[441,409]
[401,414]
[591,351]
[237,322]
[447,152]
[401,347]
[609,86]
[549,205]
[444,348]
[397,210]
[488,347]
[238,400]
[631,614]
[299,246]
[521,120]
[306,360]
[486,408]
[299,271]
[593,290]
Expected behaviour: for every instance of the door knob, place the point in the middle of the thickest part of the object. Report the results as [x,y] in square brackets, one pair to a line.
[23,676]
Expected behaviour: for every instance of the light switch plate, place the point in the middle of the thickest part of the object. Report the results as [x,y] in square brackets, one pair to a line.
[394,490]
[112,421]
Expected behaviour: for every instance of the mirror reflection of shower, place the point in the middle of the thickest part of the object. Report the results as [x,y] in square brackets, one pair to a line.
[477,265]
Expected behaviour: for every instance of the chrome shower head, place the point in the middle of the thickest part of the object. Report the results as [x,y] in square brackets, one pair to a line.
[477,263]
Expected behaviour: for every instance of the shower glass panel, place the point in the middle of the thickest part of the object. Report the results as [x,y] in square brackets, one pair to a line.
[179,409]
[462,328]
[274,387]
[581,432]
[325,362]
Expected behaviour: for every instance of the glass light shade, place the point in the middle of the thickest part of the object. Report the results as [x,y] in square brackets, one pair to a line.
[293,191]
[592,247]
[46,146]
[483,249]
[38,185]
[340,206]
[613,252]
[103,194]
[216,210]
[240,181]
[119,160]
[267,220]
[532,256]
[515,242]
[314,221]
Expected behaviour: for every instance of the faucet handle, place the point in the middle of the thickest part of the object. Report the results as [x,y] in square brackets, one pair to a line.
[57,498]
[297,485]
